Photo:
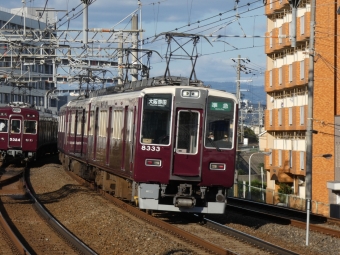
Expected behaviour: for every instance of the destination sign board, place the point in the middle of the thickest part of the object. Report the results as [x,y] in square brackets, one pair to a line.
[220,106]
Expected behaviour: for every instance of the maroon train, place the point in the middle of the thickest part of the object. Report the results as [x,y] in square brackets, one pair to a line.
[26,133]
[169,148]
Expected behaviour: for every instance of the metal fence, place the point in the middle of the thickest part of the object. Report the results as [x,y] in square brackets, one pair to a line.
[241,190]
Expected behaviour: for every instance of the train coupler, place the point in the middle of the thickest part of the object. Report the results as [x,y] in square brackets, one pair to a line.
[187,202]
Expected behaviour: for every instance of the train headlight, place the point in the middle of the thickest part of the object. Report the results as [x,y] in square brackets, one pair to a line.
[217,166]
[190,93]
[153,162]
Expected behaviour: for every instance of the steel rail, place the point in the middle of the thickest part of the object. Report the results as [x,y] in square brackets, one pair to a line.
[292,222]
[248,238]
[19,246]
[15,241]
[195,240]
[10,178]
[75,242]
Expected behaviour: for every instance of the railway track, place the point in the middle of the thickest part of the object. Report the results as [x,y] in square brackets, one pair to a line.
[31,229]
[10,183]
[318,223]
[108,229]
[241,243]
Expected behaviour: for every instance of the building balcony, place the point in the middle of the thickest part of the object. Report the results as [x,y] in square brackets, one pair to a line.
[287,76]
[273,6]
[303,28]
[286,119]
[279,38]
[283,164]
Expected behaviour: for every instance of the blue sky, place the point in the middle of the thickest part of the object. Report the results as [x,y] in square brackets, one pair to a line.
[235,21]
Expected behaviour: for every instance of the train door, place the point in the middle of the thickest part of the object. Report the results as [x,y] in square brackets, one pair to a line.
[124,137]
[74,130]
[15,139]
[83,116]
[95,134]
[187,151]
[69,130]
[108,136]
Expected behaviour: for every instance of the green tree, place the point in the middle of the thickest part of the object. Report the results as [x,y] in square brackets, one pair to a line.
[249,133]
[284,190]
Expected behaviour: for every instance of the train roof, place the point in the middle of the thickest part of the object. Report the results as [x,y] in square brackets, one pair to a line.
[28,108]
[132,95]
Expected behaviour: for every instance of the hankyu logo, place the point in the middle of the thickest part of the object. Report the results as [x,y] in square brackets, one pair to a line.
[17,110]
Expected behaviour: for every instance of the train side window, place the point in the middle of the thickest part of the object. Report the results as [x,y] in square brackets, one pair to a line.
[3,125]
[15,126]
[30,127]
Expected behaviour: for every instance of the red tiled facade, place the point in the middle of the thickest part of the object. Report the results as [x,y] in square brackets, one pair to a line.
[286,81]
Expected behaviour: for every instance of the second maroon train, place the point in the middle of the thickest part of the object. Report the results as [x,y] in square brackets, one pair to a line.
[169,148]
[26,133]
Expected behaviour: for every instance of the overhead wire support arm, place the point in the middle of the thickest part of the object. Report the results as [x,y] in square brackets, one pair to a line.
[171,37]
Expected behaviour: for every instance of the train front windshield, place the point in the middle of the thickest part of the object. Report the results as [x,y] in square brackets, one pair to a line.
[30,127]
[3,125]
[156,118]
[220,119]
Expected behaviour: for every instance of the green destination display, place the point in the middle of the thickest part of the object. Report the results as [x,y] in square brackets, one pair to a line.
[220,106]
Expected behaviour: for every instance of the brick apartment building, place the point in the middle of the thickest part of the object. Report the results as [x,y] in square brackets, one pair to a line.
[286,81]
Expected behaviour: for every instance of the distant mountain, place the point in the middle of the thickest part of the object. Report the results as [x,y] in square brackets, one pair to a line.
[254,94]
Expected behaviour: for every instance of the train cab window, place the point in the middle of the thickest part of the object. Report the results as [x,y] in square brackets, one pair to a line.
[3,125]
[15,126]
[219,123]
[156,120]
[30,127]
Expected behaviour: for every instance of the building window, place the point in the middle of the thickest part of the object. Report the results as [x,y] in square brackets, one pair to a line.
[53,103]
[302,160]
[271,40]
[280,157]
[270,78]
[270,157]
[290,159]
[270,117]
[280,117]
[290,116]
[290,73]
[302,25]
[280,34]
[302,70]
[280,75]
[6,98]
[302,115]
